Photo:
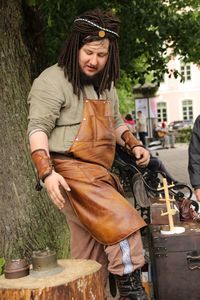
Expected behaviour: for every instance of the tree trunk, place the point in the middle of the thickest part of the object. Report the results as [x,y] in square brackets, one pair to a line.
[77,279]
[29,221]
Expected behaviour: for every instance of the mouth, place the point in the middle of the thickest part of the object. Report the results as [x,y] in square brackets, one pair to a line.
[91,68]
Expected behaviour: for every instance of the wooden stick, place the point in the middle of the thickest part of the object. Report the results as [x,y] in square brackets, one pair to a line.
[168,205]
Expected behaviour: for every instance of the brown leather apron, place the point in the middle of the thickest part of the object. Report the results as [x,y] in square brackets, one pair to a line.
[106,214]
[96,139]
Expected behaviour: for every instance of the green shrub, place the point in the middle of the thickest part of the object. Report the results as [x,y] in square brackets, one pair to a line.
[2,264]
[183,135]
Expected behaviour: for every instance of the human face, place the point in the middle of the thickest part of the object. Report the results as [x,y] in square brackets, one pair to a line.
[93,57]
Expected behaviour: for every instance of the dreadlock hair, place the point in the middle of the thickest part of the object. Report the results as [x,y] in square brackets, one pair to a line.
[87,28]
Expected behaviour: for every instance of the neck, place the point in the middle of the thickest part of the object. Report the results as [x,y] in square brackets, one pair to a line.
[93,80]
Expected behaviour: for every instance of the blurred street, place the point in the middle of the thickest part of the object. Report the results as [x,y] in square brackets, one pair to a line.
[176,161]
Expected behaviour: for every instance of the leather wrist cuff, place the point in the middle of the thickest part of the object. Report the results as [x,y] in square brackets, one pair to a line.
[138,146]
[129,139]
[42,162]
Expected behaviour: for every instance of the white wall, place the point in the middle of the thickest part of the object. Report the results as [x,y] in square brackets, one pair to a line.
[173,92]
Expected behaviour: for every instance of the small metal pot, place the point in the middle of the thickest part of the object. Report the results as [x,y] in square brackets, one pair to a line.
[44,260]
[16,268]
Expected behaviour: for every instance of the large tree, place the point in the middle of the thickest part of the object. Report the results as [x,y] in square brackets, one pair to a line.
[28,219]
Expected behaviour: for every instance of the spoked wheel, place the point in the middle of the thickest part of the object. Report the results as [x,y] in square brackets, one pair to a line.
[141,199]
[195,204]
[179,191]
[154,181]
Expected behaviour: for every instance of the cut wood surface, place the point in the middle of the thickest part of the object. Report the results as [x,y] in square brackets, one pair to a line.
[71,280]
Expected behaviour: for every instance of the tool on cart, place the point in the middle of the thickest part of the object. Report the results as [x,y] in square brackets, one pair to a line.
[171,229]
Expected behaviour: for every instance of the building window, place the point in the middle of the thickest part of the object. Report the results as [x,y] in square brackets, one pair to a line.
[186,71]
[161,111]
[187,109]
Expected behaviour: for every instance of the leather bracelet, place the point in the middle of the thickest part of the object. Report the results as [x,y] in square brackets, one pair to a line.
[43,163]
[137,146]
[129,139]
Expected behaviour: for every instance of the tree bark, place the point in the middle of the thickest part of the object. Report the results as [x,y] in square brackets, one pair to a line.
[29,221]
[78,279]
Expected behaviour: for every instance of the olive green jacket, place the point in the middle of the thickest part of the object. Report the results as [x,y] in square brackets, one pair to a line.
[57,111]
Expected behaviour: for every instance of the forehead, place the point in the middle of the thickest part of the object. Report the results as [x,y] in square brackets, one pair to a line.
[97,46]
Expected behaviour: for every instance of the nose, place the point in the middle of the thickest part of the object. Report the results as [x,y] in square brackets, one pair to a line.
[93,60]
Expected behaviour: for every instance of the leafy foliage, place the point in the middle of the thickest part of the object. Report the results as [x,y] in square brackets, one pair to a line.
[183,135]
[2,264]
[148,30]
[125,94]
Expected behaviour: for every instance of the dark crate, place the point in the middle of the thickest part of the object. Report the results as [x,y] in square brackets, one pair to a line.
[156,219]
[175,263]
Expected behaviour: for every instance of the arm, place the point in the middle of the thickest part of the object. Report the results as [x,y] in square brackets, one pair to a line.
[142,120]
[52,180]
[45,102]
[194,158]
[197,194]
[127,139]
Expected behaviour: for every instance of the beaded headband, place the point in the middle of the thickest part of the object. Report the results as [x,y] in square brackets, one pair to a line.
[102,30]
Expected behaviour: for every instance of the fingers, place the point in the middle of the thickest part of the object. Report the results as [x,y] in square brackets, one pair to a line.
[64,184]
[142,156]
[57,198]
[56,187]
[143,162]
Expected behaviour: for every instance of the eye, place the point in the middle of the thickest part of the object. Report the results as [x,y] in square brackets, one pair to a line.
[88,52]
[102,54]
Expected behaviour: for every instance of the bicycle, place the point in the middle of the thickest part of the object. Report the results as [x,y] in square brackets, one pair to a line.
[141,185]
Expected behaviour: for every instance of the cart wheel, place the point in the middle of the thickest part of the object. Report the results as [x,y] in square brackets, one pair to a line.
[180,191]
[195,204]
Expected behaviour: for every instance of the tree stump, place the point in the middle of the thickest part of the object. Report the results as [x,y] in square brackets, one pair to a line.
[71,280]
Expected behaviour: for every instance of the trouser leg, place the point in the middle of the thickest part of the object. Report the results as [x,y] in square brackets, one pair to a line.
[169,177]
[82,244]
[121,258]
[142,136]
[126,256]
[156,165]
[125,261]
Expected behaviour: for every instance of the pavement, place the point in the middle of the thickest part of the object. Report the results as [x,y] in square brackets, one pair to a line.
[176,161]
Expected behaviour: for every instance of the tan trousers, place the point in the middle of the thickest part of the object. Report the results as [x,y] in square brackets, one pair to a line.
[121,258]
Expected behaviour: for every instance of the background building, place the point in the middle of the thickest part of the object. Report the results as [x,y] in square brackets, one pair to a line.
[179,100]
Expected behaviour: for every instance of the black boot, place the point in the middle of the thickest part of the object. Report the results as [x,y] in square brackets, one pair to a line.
[130,286]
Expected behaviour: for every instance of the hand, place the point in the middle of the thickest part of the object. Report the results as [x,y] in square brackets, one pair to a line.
[197,194]
[53,183]
[142,156]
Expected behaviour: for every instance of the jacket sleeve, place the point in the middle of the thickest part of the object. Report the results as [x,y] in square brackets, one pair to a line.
[194,155]
[45,101]
[113,96]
